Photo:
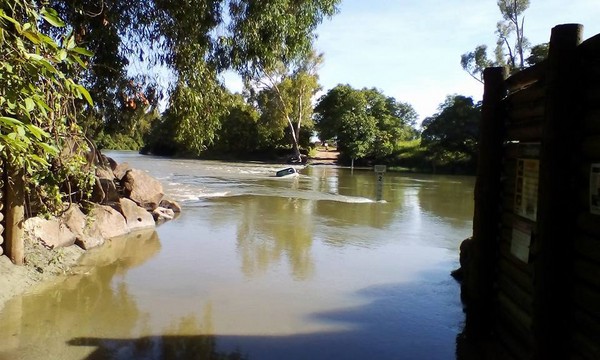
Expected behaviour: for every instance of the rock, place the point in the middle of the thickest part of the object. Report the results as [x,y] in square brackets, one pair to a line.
[105,191]
[136,217]
[120,170]
[142,188]
[85,229]
[104,173]
[110,222]
[161,214]
[170,204]
[51,233]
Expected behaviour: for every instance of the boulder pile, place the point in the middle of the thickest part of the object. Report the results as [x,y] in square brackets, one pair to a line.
[124,200]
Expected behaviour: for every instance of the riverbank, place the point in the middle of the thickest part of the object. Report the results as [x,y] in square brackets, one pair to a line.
[324,157]
[42,265]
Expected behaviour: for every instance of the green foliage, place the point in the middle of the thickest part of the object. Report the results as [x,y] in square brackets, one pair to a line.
[450,136]
[239,131]
[263,34]
[194,40]
[538,54]
[475,62]
[285,99]
[365,123]
[38,104]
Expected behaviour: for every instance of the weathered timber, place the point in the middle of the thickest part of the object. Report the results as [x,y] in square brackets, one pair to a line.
[15,216]
[591,122]
[590,48]
[509,268]
[588,224]
[588,299]
[527,77]
[587,271]
[521,298]
[591,97]
[512,346]
[585,347]
[528,95]
[479,285]
[547,304]
[528,133]
[587,325]
[556,214]
[590,147]
[532,111]
[521,320]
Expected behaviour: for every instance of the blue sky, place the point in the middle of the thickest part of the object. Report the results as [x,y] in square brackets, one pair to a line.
[410,49]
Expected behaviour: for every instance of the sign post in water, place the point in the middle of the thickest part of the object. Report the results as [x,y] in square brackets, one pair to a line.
[379,171]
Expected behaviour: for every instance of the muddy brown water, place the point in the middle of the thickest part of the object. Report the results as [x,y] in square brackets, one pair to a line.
[258,267]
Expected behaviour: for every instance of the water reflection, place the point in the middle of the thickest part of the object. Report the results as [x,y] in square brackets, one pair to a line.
[82,303]
[176,343]
[264,268]
[270,229]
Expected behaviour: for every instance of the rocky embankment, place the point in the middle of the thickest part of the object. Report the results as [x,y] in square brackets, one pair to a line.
[124,200]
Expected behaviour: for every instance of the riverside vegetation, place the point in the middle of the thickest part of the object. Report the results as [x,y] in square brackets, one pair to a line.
[65,89]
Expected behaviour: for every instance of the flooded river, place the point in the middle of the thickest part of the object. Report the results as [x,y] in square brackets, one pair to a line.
[259,267]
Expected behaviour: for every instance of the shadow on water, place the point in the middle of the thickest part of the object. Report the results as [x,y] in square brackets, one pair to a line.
[424,318]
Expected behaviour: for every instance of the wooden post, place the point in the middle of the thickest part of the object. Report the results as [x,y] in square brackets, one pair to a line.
[2,200]
[552,251]
[15,215]
[482,253]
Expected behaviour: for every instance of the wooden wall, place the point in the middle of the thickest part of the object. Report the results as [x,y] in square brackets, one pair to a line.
[536,231]
[585,294]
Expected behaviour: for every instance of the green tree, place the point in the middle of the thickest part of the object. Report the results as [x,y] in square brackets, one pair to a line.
[239,132]
[286,97]
[450,136]
[514,22]
[189,38]
[104,27]
[511,44]
[38,104]
[475,62]
[365,123]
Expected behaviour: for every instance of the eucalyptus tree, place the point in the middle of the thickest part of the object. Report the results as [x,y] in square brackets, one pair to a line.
[193,40]
[513,23]
[365,123]
[511,43]
[285,96]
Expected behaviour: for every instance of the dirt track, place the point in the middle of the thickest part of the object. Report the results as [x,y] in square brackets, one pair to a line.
[325,157]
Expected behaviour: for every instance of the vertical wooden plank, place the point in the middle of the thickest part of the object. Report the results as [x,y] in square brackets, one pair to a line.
[557,206]
[2,200]
[486,221]
[15,216]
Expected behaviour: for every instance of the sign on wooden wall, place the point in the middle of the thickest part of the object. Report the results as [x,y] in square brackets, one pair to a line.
[526,191]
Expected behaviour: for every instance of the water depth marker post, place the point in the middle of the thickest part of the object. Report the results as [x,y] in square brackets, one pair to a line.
[379,171]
